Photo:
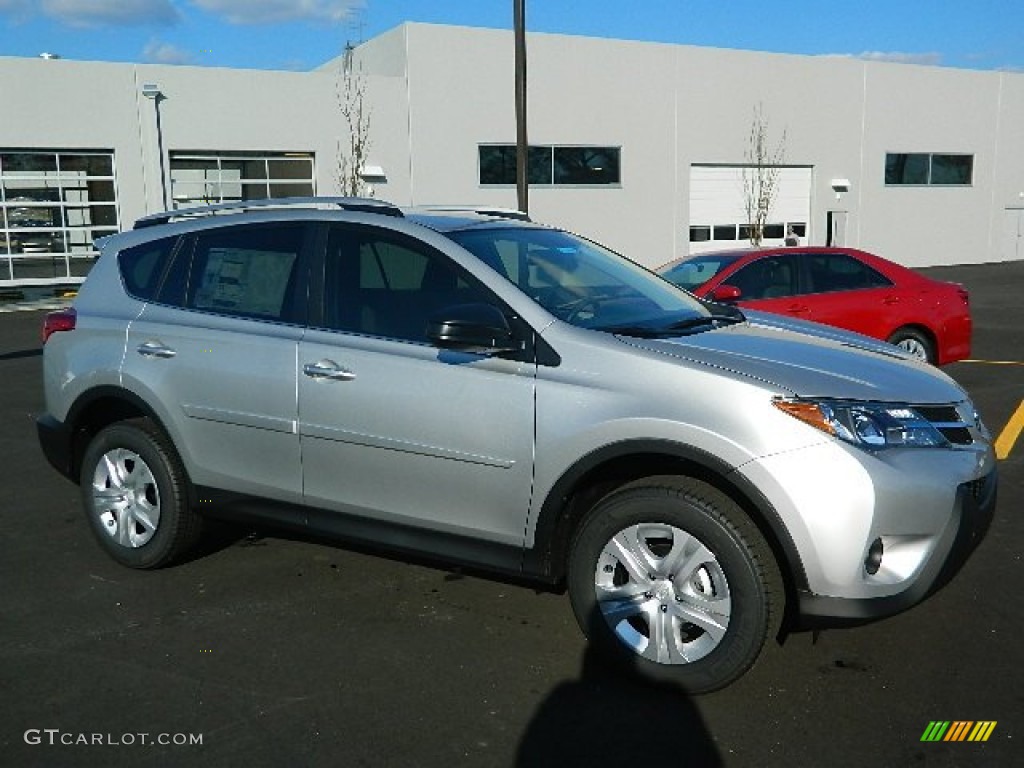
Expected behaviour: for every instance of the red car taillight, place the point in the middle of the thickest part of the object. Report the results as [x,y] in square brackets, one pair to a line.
[62,320]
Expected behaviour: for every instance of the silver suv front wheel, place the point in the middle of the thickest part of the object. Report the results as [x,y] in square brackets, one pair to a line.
[669,576]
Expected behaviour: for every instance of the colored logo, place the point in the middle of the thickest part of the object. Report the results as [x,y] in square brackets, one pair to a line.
[958,730]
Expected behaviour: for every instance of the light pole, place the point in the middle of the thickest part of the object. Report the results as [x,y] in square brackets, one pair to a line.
[152,92]
[522,145]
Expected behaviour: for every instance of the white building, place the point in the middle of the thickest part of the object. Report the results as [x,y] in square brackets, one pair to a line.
[638,145]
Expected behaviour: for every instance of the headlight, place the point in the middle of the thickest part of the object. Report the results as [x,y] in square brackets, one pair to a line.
[872,426]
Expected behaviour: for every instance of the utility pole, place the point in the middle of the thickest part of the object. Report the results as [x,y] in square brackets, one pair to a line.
[522,145]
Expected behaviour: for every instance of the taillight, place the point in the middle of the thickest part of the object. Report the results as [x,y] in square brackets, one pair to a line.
[62,320]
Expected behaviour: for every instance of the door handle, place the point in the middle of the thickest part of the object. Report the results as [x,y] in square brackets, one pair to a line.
[327,369]
[155,349]
[891,300]
[797,309]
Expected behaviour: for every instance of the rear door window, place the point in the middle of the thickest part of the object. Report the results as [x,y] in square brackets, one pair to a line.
[828,272]
[251,271]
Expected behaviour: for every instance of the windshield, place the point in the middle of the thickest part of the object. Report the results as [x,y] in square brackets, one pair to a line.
[693,273]
[582,283]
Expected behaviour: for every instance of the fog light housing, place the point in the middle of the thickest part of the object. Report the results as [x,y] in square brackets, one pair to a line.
[874,559]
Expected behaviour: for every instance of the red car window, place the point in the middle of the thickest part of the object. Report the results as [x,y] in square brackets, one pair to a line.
[768,278]
[840,272]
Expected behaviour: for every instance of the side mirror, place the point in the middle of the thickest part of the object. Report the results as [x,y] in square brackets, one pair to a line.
[726,293]
[475,328]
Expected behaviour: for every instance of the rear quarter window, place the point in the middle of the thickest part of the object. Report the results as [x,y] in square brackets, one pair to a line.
[143,266]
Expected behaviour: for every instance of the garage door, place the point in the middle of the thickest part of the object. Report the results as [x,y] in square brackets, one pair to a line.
[718,217]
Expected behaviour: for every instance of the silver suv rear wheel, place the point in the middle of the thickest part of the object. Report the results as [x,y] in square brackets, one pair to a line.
[671,578]
[134,494]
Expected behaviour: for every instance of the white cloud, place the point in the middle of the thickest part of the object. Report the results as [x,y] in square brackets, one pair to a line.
[157,52]
[273,11]
[18,10]
[902,58]
[92,13]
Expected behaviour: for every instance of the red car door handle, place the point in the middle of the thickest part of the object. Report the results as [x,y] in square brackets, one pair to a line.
[796,309]
[891,300]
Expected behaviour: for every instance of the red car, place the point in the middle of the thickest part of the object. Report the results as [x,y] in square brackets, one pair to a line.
[843,287]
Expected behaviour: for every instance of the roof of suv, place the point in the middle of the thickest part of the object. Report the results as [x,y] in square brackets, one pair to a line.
[441,218]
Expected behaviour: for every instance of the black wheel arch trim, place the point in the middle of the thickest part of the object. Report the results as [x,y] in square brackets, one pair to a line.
[557,519]
[66,444]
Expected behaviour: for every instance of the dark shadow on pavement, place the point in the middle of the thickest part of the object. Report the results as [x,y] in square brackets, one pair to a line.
[612,717]
[22,353]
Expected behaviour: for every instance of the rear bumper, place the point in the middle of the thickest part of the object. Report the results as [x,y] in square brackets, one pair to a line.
[55,438]
[974,509]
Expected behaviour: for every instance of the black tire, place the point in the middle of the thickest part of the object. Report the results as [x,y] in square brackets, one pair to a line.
[731,588]
[134,492]
[916,342]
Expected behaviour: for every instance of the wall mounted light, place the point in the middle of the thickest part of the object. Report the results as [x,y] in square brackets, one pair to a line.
[372,173]
[839,186]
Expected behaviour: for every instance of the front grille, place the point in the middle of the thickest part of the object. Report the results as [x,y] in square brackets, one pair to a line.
[947,420]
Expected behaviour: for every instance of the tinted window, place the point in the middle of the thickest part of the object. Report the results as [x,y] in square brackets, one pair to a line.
[586,165]
[143,266]
[906,168]
[548,165]
[382,284]
[840,272]
[248,271]
[772,277]
[927,168]
[498,164]
[952,169]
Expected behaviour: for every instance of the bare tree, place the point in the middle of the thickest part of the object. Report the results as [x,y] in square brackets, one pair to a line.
[350,92]
[761,174]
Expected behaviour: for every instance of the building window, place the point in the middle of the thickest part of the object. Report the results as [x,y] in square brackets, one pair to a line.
[922,168]
[552,165]
[53,206]
[498,164]
[701,233]
[202,178]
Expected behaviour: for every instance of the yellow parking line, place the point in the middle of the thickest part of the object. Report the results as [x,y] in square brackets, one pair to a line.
[1004,443]
[994,362]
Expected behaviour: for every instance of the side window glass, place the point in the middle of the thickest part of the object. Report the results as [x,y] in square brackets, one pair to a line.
[841,272]
[768,278]
[143,266]
[247,271]
[382,284]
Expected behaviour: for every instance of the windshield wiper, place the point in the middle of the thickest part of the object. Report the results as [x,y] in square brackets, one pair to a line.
[677,328]
[674,329]
[713,319]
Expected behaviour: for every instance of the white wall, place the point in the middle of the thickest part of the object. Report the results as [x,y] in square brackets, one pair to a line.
[670,107]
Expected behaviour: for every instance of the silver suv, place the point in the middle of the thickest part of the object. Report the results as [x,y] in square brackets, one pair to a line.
[500,394]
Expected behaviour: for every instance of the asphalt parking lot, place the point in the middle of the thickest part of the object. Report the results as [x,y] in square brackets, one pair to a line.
[274,651]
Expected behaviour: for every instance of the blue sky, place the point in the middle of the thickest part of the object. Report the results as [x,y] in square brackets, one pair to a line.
[302,34]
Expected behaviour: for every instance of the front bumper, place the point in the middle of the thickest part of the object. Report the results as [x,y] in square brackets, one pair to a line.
[974,508]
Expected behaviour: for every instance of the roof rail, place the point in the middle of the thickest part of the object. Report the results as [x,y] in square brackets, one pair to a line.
[483,210]
[359,204]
